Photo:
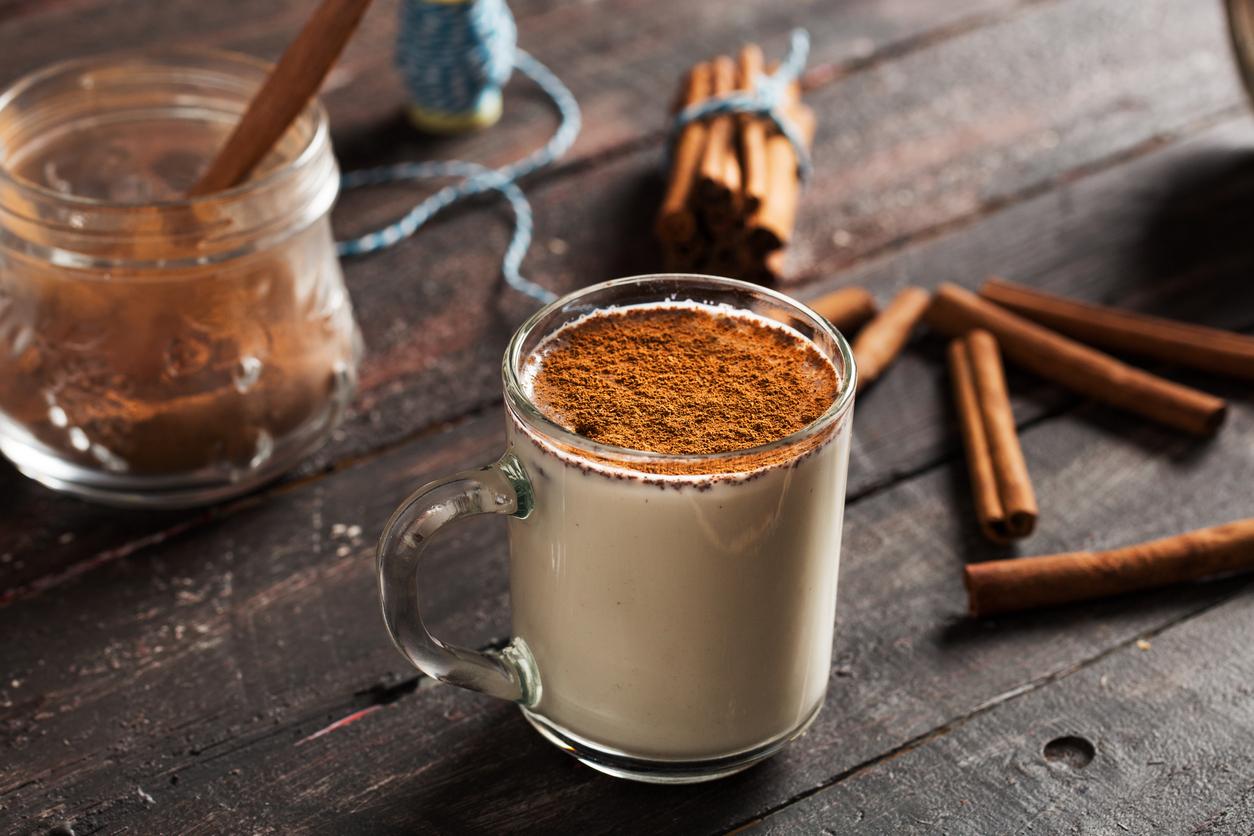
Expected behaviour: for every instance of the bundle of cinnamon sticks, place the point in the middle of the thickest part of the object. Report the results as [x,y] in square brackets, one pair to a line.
[731,196]
[1051,336]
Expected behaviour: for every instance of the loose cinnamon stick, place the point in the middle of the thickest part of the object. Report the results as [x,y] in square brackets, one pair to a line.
[1005,503]
[676,222]
[954,311]
[1003,586]
[713,189]
[772,225]
[290,86]
[1195,346]
[752,134]
[847,308]
[879,343]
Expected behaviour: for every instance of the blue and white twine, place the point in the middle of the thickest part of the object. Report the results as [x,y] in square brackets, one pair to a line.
[766,97]
[475,18]
[455,56]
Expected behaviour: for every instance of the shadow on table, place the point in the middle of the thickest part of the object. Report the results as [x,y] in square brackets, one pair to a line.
[504,777]
[1195,252]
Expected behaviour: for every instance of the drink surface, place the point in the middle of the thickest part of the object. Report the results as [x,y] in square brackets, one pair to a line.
[680,379]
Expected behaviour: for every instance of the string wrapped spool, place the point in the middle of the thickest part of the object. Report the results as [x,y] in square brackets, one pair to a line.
[455,57]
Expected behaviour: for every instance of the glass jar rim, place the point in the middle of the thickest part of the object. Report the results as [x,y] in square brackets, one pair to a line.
[318,135]
[521,404]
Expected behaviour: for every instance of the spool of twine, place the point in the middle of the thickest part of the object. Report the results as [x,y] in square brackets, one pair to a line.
[455,57]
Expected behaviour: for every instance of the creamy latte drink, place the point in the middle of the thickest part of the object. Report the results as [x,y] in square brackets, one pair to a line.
[679,608]
[675,478]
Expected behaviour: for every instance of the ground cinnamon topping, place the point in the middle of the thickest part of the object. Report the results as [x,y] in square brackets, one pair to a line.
[681,380]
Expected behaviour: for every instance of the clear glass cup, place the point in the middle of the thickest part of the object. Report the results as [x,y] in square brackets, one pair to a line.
[672,615]
[156,350]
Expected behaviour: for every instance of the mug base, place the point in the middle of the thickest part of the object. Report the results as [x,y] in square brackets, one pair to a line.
[649,771]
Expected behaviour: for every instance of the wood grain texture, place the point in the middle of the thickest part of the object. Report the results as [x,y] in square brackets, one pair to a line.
[216,657]
[939,83]
[623,73]
[1172,732]
[1164,233]
[431,310]
[592,223]
[913,145]
[233,666]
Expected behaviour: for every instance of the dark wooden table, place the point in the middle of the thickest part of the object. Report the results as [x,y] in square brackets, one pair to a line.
[227,671]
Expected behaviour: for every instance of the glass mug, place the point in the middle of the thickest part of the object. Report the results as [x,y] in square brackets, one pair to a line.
[154,349]
[669,627]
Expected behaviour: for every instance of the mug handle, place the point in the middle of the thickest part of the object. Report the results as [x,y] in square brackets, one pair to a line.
[500,488]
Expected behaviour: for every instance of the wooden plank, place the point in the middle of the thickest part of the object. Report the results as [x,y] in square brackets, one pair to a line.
[1171,728]
[208,659]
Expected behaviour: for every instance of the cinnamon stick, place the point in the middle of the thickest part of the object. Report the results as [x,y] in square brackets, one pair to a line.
[1195,346]
[752,134]
[847,308]
[723,260]
[955,311]
[771,226]
[883,338]
[732,179]
[1003,586]
[1005,503]
[713,190]
[768,270]
[285,93]
[675,221]
[684,256]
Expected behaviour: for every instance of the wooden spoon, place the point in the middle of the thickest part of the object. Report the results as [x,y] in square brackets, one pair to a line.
[294,81]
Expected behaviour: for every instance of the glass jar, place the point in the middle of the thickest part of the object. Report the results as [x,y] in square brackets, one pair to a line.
[1241,33]
[156,350]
